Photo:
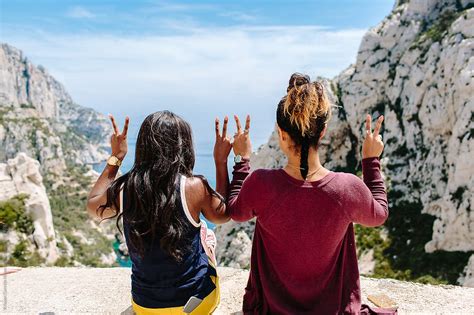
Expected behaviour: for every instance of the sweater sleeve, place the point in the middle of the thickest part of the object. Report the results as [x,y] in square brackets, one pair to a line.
[367,200]
[241,196]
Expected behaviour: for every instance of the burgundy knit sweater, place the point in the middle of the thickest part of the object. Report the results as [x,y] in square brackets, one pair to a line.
[303,255]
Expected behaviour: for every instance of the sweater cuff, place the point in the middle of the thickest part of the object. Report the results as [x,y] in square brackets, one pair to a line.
[371,168]
[241,170]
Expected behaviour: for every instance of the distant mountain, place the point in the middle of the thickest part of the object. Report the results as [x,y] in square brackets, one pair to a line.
[415,67]
[39,121]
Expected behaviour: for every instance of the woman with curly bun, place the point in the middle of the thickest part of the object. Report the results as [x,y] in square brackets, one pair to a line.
[303,255]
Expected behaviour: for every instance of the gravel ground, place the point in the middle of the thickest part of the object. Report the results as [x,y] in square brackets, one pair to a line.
[107,291]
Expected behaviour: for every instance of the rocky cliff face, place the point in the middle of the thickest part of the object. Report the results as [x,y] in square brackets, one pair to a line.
[39,117]
[21,175]
[415,67]
[48,141]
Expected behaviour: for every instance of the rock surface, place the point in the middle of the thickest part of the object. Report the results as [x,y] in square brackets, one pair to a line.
[107,291]
[416,67]
[37,116]
[40,119]
[21,175]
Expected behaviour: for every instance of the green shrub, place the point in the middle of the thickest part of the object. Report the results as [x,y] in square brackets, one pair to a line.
[63,261]
[402,254]
[23,257]
[3,246]
[13,215]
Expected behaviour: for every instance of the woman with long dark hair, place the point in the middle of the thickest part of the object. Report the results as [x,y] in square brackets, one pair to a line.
[303,255]
[160,201]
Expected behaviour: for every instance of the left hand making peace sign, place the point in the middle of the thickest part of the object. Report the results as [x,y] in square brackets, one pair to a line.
[118,141]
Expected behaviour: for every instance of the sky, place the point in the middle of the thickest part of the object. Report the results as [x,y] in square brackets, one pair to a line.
[200,59]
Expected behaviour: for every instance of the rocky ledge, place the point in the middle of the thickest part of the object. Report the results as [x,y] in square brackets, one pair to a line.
[107,291]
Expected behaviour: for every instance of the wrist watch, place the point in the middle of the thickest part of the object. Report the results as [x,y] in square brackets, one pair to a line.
[114,161]
[238,158]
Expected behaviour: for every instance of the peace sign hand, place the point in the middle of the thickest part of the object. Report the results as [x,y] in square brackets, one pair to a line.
[373,145]
[242,145]
[222,146]
[118,141]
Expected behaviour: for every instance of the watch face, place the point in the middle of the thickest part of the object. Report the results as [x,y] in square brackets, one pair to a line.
[238,159]
[113,161]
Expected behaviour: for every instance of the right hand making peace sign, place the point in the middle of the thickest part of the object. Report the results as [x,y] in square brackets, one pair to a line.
[118,140]
[373,145]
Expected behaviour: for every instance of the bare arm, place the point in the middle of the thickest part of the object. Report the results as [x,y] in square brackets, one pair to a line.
[213,209]
[98,194]
[222,148]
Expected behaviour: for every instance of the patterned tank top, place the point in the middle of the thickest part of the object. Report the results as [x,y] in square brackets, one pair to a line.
[158,281]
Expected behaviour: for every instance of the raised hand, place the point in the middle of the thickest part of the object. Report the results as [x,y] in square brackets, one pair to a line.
[241,144]
[373,145]
[118,141]
[222,145]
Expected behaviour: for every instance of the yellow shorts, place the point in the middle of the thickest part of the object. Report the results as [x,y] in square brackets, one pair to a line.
[207,306]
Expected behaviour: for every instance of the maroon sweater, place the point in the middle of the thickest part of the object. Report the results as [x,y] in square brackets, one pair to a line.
[303,255]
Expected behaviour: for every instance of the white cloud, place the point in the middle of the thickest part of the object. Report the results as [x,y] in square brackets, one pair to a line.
[178,7]
[78,12]
[238,16]
[218,70]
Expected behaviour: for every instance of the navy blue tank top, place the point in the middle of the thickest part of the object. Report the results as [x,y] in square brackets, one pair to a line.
[158,281]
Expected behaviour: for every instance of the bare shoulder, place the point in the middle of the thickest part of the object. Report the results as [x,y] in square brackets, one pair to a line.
[197,193]
[195,187]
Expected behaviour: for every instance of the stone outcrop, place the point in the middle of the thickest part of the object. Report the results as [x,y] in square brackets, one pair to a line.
[21,175]
[107,291]
[39,117]
[415,67]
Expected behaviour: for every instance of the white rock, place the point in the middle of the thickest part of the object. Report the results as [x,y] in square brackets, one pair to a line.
[21,175]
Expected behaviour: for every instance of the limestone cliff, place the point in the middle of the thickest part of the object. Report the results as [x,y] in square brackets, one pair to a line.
[39,117]
[21,175]
[49,142]
[415,67]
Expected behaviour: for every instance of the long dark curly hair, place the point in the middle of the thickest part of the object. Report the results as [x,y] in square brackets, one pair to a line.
[164,149]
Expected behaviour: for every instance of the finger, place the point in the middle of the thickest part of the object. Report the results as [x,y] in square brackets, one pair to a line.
[224,128]
[378,125]
[125,126]
[247,124]
[237,122]
[114,124]
[217,128]
[368,128]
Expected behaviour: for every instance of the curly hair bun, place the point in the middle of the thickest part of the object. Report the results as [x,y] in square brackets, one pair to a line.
[306,104]
[297,79]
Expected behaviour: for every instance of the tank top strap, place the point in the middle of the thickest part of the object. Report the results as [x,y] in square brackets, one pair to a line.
[121,198]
